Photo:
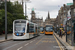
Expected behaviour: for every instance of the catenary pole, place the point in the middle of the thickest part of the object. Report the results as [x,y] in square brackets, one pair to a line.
[5,19]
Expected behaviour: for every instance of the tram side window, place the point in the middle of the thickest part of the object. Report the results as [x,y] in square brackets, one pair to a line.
[36,29]
[31,29]
[28,28]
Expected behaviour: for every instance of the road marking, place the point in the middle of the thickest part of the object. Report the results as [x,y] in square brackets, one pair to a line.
[58,42]
[19,48]
[7,43]
[53,41]
[31,41]
[26,44]
[48,38]
[47,41]
[13,45]
[39,41]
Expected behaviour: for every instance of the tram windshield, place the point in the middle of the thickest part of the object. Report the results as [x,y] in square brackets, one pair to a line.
[20,27]
[49,29]
[41,29]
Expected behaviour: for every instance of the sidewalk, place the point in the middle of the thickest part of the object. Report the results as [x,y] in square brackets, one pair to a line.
[2,37]
[63,39]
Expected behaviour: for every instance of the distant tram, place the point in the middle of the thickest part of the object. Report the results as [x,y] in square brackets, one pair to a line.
[48,29]
[42,30]
[24,29]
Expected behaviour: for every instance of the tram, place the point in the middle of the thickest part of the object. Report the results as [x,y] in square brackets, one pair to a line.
[24,29]
[42,30]
[48,29]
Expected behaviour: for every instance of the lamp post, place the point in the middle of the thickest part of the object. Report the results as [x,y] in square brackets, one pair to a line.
[25,8]
[65,11]
[5,19]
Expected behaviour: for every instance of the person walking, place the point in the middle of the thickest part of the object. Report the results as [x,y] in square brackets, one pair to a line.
[60,34]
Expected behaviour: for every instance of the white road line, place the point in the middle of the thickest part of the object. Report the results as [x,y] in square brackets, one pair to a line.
[19,48]
[13,45]
[31,41]
[26,44]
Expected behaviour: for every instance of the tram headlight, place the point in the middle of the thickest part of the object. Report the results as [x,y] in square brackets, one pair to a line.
[14,33]
[24,33]
[17,34]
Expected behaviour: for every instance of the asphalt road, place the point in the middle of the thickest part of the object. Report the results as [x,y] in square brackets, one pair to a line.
[42,42]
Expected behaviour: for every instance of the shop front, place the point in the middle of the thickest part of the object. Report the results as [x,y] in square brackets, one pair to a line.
[71,32]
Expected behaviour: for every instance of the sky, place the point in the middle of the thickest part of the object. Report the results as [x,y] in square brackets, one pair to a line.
[41,7]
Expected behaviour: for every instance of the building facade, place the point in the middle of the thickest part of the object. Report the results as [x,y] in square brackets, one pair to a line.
[63,16]
[66,19]
[48,20]
[36,20]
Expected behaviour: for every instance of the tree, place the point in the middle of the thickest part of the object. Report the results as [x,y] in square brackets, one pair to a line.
[14,11]
[2,19]
[18,11]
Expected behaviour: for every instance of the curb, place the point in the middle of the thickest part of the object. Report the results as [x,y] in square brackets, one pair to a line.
[5,40]
[65,45]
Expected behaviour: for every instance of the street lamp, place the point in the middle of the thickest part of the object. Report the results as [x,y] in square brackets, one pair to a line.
[25,8]
[6,19]
[74,12]
[65,11]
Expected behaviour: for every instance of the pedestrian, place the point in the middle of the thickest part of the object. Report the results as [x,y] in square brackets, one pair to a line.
[63,32]
[60,34]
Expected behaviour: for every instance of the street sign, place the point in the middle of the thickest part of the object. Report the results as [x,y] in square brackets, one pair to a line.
[68,4]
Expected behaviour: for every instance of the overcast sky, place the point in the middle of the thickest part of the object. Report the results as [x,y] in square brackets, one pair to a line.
[43,6]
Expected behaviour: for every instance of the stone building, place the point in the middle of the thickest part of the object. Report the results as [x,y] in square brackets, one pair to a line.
[36,20]
[52,21]
[49,21]
[63,16]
